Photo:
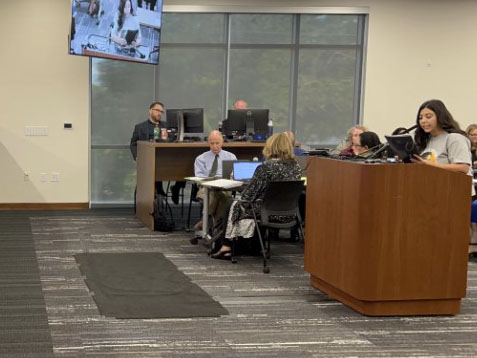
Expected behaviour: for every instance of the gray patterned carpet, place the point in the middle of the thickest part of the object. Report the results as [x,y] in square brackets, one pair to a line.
[275,315]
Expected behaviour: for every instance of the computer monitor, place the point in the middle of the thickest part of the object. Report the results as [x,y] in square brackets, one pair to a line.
[189,120]
[246,121]
[403,146]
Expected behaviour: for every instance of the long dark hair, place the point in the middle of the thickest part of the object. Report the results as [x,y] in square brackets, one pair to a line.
[444,121]
[122,4]
[369,139]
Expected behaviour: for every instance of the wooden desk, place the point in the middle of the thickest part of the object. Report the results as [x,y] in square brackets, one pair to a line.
[388,239]
[174,161]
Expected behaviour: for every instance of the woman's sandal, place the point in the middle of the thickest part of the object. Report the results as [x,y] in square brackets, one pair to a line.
[222,255]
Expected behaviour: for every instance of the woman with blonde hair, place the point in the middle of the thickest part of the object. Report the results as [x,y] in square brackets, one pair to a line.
[280,165]
[353,139]
[472,134]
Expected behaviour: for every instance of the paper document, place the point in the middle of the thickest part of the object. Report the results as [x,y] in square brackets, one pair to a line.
[223,183]
[199,179]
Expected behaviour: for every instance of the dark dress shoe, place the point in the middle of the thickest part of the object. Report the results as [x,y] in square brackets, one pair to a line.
[194,241]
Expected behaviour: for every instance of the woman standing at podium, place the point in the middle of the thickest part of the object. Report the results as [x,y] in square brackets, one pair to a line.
[440,140]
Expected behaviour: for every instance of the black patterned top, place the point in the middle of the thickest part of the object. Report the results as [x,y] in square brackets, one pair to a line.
[270,170]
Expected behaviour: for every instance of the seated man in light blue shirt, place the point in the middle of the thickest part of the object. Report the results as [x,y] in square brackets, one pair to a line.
[209,164]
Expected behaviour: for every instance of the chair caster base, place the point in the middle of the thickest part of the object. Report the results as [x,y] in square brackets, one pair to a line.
[233,260]
[266,270]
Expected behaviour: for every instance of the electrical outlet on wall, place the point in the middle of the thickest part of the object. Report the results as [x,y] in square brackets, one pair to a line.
[26,176]
[55,177]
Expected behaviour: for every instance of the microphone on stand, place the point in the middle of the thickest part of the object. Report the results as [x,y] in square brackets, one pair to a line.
[384,146]
[402,130]
[411,128]
[397,131]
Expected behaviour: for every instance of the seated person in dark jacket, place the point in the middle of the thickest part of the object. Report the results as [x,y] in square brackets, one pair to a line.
[145,131]
[368,140]
[280,165]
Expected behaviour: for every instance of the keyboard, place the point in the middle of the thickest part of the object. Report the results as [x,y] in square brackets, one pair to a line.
[192,139]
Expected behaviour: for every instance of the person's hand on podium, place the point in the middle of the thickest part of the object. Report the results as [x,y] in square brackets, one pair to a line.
[418,159]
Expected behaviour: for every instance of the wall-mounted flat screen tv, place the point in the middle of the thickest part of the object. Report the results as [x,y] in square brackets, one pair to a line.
[128,30]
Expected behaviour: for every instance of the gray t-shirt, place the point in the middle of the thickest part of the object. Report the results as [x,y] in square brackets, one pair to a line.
[451,148]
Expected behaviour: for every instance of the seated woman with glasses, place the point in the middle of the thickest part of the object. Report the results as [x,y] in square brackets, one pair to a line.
[472,133]
[354,146]
[280,165]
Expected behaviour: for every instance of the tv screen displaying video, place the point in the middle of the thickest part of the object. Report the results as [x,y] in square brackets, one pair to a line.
[128,30]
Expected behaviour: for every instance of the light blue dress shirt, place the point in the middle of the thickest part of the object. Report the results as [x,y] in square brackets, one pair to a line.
[203,163]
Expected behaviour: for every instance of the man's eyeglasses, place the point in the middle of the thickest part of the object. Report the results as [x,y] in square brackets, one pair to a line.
[158,110]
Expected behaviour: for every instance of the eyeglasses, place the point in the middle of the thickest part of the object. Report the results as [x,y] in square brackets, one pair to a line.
[158,110]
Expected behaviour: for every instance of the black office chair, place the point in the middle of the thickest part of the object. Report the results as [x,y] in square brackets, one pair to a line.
[280,202]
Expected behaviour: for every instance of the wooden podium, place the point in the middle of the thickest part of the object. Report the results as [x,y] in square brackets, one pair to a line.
[174,161]
[388,239]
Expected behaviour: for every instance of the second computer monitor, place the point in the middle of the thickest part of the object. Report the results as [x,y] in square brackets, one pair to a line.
[190,120]
[247,121]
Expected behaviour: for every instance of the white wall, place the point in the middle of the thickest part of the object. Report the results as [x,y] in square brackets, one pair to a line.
[417,50]
[41,85]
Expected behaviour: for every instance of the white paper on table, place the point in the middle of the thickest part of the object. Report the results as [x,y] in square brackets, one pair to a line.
[223,183]
[199,179]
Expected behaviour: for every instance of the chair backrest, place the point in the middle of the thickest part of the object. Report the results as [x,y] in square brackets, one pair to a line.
[281,199]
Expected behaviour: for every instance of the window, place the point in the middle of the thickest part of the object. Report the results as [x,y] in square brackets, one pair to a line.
[121,93]
[305,68]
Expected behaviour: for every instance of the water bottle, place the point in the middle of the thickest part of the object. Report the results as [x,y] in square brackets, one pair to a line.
[270,127]
[156,133]
[220,126]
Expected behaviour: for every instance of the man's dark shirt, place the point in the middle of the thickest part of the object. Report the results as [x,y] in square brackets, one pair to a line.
[143,131]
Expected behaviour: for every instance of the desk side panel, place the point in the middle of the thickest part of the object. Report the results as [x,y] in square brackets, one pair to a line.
[145,168]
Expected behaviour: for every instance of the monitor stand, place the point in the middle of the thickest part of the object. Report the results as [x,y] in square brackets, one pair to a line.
[250,125]
[180,126]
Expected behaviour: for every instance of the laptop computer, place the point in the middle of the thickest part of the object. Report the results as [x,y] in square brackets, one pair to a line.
[228,167]
[243,171]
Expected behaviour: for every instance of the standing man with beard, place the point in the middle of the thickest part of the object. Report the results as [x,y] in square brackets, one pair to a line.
[145,131]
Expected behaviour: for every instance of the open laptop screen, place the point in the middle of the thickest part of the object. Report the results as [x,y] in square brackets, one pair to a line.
[245,170]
